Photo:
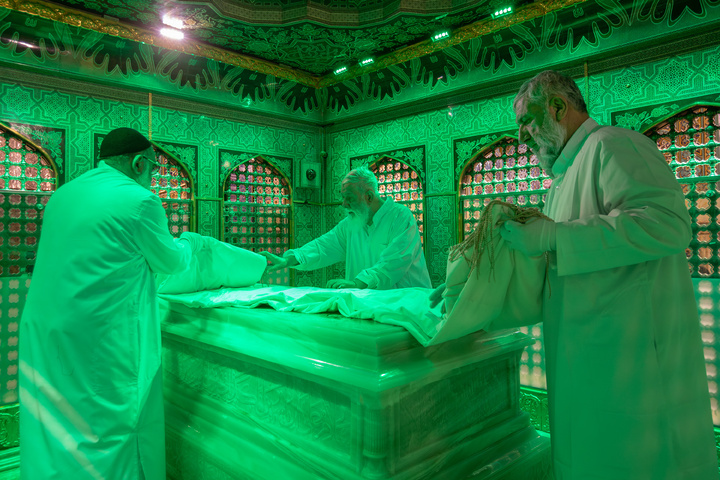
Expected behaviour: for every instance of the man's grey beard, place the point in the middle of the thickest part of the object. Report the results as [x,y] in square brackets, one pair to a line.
[360,216]
[550,140]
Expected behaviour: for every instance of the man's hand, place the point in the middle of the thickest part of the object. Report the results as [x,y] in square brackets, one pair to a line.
[533,238]
[436,295]
[278,263]
[342,283]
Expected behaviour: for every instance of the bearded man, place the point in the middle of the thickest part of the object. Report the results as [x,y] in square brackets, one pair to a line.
[379,241]
[627,388]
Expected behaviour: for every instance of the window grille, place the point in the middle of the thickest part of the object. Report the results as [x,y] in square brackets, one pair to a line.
[257,211]
[505,170]
[402,183]
[174,185]
[28,177]
[690,143]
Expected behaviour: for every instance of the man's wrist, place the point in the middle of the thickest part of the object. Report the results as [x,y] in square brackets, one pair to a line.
[291,260]
[360,284]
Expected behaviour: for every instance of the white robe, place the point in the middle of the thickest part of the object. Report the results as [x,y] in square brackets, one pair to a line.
[90,381]
[387,254]
[627,387]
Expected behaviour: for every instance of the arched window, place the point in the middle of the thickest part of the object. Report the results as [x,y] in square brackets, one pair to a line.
[403,184]
[257,211]
[690,143]
[174,185]
[28,177]
[506,170]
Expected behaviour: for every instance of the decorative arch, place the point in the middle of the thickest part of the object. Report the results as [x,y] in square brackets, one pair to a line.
[504,169]
[173,183]
[257,210]
[689,139]
[403,184]
[28,177]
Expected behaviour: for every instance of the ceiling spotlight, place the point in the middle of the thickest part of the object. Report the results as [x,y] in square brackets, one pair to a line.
[440,36]
[340,70]
[174,22]
[172,33]
[502,12]
[366,62]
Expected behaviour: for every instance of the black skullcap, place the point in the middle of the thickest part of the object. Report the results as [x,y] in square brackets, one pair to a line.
[123,141]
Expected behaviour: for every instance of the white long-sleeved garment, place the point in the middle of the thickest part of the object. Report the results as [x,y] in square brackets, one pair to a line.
[387,254]
[90,384]
[627,388]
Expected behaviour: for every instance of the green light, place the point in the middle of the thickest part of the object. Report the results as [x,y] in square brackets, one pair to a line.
[502,12]
[340,70]
[440,36]
[367,61]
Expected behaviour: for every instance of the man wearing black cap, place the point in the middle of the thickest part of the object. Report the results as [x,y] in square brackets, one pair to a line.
[90,384]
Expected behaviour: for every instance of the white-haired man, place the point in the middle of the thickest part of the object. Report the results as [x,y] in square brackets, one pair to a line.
[378,241]
[627,389]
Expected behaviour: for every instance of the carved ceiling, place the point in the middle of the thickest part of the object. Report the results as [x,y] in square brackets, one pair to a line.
[303,40]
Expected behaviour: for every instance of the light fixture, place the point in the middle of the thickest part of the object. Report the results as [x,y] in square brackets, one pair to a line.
[502,12]
[174,22]
[366,62]
[340,70]
[440,36]
[172,33]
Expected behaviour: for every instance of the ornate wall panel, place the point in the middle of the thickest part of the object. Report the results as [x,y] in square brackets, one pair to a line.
[209,218]
[307,227]
[440,224]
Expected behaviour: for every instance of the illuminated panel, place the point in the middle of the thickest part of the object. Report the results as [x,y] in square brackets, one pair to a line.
[511,172]
[401,182]
[173,185]
[27,179]
[707,292]
[532,360]
[690,143]
[257,211]
[505,170]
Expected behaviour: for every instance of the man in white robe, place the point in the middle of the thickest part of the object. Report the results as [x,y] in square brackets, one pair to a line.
[379,242]
[90,382]
[627,388]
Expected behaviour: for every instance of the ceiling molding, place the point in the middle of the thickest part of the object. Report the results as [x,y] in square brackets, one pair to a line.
[332,14]
[113,27]
[461,35]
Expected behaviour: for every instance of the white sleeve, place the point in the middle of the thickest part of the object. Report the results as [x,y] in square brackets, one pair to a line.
[323,251]
[646,215]
[162,252]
